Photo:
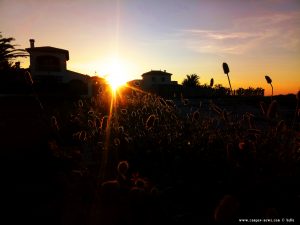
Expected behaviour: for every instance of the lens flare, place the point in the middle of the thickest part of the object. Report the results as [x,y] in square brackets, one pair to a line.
[117,76]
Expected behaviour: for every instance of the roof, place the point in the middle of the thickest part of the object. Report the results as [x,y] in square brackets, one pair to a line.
[78,76]
[49,49]
[156,73]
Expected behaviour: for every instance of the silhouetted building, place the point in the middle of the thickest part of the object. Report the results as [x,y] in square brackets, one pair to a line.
[158,82]
[49,65]
[156,77]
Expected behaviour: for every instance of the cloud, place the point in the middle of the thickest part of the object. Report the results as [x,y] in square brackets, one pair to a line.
[221,42]
[267,32]
[221,35]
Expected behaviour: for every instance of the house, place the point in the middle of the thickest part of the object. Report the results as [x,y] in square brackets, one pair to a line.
[48,65]
[158,82]
[156,77]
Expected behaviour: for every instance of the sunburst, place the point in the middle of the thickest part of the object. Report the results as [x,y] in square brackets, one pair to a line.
[117,74]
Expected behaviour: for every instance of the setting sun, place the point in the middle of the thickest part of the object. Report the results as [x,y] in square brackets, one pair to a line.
[116,73]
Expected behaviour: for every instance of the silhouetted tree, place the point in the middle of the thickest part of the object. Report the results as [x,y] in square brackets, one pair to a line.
[8,52]
[240,92]
[221,91]
[191,80]
[260,91]
[250,91]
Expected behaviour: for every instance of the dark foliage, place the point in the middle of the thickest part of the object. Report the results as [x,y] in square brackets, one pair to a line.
[8,53]
[191,80]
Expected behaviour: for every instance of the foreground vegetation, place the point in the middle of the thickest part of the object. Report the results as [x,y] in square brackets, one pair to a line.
[155,161]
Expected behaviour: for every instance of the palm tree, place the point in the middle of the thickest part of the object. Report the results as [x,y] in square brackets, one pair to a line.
[8,52]
[191,81]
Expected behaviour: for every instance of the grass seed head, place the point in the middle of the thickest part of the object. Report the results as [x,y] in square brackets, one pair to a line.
[121,129]
[83,136]
[242,145]
[91,113]
[163,102]
[268,79]
[91,124]
[117,142]
[133,114]
[281,126]
[225,68]
[272,110]
[263,108]
[103,123]
[124,111]
[211,82]
[28,78]
[196,116]
[123,167]
[80,103]
[185,102]
[54,123]
[150,121]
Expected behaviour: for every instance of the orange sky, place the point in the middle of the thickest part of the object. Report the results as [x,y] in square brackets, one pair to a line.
[256,38]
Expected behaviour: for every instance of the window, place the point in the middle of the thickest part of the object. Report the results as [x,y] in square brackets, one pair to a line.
[163,79]
[48,63]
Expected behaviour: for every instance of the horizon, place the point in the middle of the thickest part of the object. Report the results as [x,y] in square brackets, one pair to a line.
[255,38]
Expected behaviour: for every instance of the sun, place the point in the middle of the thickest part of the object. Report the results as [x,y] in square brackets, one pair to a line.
[117,75]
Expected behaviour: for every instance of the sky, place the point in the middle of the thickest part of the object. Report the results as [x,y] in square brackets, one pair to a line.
[255,37]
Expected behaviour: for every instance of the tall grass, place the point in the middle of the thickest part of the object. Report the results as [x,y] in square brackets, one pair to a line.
[269,81]
[226,71]
[163,145]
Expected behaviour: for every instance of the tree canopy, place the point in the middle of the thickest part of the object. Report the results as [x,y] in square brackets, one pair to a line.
[191,80]
[9,52]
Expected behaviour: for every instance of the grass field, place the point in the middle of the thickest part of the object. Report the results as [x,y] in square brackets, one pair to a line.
[190,161]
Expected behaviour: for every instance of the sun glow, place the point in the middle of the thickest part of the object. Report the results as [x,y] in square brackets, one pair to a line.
[117,74]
